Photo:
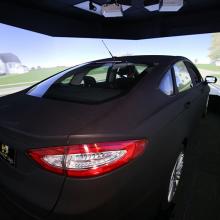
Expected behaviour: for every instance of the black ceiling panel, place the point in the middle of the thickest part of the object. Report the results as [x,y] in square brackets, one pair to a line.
[61,18]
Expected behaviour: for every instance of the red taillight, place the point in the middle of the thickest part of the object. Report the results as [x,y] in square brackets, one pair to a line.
[86,160]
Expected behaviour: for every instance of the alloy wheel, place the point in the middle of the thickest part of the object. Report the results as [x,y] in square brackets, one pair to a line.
[175,177]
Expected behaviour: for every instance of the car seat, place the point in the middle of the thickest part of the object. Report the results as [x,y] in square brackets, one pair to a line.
[89,81]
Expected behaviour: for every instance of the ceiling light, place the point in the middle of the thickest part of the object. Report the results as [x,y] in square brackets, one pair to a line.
[163,5]
[171,5]
[152,5]
[112,10]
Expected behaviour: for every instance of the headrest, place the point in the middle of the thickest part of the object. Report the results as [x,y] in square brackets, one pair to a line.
[89,81]
[126,70]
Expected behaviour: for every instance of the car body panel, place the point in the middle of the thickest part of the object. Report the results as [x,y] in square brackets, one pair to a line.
[28,122]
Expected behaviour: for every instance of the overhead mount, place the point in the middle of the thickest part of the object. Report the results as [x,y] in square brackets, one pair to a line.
[116,8]
[109,9]
[61,19]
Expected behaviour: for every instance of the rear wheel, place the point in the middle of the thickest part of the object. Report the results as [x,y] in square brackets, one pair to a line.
[168,199]
[175,177]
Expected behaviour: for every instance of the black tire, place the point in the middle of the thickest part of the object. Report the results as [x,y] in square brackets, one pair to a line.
[175,177]
[169,198]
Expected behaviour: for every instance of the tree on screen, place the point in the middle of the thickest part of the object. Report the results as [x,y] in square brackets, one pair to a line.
[214,50]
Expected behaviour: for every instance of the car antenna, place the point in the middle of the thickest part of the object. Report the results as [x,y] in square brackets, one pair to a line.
[108,49]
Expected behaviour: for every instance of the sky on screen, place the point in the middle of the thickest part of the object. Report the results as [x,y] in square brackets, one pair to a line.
[36,49]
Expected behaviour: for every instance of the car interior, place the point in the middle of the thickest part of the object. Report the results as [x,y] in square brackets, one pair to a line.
[82,86]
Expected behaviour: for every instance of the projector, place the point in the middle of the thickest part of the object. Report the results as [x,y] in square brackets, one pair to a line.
[112,10]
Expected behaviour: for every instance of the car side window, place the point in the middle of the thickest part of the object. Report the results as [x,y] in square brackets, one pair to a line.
[182,76]
[196,76]
[99,73]
[166,84]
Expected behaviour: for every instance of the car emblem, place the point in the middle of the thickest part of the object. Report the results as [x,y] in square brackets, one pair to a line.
[4,150]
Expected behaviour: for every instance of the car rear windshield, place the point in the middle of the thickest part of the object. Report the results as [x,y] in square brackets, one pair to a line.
[92,83]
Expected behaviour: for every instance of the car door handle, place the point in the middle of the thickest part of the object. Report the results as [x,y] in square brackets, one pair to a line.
[187,105]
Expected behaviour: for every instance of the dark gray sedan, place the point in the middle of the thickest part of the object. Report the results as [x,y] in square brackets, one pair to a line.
[100,139]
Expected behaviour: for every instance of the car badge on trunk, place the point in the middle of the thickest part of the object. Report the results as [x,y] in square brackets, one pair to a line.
[4,150]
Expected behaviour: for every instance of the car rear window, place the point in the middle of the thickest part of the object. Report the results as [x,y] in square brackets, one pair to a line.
[92,83]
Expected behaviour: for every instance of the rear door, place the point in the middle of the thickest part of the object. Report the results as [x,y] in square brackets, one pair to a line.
[186,94]
[200,90]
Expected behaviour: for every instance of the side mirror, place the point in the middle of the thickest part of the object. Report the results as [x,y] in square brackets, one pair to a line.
[210,79]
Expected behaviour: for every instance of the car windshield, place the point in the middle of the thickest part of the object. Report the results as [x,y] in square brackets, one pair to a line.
[92,83]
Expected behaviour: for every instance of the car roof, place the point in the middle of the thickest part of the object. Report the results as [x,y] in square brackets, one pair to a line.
[161,59]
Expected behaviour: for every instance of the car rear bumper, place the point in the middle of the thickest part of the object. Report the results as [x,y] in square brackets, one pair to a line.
[33,192]
[110,196]
[104,197]
[51,196]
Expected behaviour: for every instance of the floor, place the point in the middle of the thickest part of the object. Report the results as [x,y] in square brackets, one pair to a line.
[198,196]
[199,192]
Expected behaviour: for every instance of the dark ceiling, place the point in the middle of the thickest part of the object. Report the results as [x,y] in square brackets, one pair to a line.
[60,18]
